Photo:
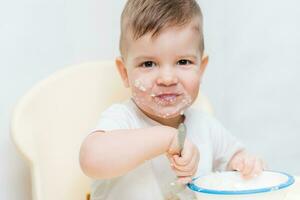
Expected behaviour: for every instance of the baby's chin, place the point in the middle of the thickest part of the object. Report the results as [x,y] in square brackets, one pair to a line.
[167,113]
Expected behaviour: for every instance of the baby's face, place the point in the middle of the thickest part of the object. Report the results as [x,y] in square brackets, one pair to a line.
[164,72]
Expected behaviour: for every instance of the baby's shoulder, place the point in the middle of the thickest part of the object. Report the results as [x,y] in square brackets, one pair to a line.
[117,109]
[116,116]
[203,120]
[200,116]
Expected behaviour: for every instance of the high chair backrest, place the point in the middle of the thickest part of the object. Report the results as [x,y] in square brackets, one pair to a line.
[50,122]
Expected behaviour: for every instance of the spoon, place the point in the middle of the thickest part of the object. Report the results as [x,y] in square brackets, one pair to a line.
[175,187]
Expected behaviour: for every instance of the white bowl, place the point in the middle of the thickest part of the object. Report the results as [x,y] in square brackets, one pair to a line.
[231,186]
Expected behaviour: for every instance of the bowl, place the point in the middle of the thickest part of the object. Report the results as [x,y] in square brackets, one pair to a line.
[230,185]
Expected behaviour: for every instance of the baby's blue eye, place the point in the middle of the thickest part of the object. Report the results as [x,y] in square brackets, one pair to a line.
[184,62]
[148,64]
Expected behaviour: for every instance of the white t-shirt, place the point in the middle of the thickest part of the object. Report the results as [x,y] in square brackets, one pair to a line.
[150,180]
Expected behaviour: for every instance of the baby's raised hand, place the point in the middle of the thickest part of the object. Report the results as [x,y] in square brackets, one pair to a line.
[184,163]
[248,165]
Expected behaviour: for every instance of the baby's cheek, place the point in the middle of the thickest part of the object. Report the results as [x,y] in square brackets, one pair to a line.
[139,96]
[190,78]
[192,88]
[141,90]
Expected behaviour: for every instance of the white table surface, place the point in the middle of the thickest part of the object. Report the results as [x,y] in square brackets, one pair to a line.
[294,191]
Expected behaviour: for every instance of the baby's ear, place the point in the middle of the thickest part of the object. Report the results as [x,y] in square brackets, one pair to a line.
[122,71]
[204,62]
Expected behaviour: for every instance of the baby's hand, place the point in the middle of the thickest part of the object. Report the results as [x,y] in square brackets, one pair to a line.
[249,165]
[186,164]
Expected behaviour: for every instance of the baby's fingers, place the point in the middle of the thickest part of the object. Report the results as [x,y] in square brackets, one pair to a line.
[249,164]
[180,173]
[187,155]
[256,170]
[189,166]
[184,180]
[237,164]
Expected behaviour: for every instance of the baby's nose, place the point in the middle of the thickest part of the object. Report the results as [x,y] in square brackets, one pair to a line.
[167,77]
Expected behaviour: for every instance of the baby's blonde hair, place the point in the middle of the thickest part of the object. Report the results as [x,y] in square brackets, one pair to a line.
[140,17]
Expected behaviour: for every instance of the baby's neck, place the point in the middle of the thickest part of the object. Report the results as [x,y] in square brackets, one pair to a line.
[172,122]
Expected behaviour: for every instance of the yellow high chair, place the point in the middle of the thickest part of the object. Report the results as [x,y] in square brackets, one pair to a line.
[53,118]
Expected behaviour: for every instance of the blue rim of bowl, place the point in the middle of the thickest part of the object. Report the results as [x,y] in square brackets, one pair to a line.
[287,183]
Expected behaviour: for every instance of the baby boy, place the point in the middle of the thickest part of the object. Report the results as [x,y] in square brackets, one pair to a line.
[134,152]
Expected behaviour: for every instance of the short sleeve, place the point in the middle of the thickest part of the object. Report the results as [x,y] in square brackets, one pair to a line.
[225,145]
[115,117]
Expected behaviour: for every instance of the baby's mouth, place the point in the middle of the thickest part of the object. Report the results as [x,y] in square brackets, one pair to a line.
[166,98]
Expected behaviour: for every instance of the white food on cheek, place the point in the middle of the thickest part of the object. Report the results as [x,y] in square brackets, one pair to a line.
[138,84]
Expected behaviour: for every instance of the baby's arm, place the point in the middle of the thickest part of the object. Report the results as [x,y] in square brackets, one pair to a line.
[113,153]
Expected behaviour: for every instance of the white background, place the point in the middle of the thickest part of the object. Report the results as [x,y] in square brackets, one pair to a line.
[252,79]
